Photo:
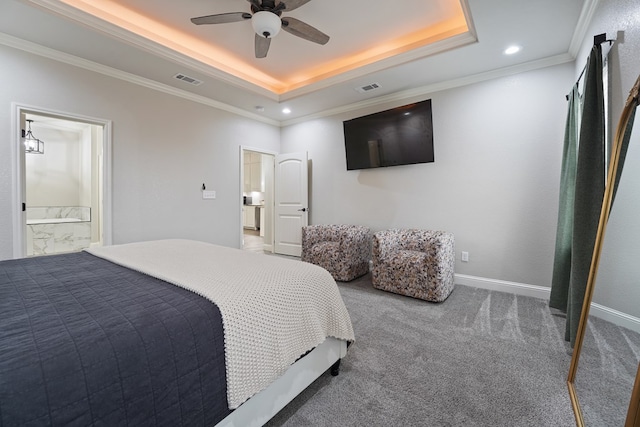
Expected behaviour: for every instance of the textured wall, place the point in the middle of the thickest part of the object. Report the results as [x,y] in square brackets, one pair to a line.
[617,284]
[494,183]
[164,148]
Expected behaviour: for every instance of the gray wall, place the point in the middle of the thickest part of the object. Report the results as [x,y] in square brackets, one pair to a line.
[164,148]
[618,281]
[498,146]
[494,182]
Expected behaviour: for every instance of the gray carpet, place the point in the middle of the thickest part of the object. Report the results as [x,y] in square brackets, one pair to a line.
[481,358]
[606,372]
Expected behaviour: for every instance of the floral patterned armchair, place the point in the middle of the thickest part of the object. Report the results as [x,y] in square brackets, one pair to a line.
[343,250]
[416,263]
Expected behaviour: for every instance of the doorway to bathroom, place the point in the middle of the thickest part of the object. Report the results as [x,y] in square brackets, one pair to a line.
[62,186]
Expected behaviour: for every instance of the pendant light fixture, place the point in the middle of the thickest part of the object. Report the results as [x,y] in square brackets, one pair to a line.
[31,143]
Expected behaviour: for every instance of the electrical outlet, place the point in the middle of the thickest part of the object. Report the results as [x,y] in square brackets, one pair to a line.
[465,256]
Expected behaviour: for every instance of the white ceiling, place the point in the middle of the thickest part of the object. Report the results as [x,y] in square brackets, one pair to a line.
[161,42]
[288,54]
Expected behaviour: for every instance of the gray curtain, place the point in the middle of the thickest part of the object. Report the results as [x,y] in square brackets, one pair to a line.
[571,269]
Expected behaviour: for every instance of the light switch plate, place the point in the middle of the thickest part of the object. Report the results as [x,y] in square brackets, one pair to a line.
[208,194]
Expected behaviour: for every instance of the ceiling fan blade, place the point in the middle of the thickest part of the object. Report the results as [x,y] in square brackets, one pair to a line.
[262,46]
[298,28]
[221,18]
[294,4]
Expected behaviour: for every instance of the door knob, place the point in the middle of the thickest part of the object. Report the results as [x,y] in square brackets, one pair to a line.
[302,210]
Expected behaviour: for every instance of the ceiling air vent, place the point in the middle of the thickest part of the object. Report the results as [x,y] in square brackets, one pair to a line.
[367,88]
[188,79]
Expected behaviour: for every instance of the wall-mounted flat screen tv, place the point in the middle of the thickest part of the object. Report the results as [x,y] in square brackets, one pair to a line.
[400,136]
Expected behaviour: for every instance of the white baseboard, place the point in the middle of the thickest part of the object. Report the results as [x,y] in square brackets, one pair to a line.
[616,317]
[503,286]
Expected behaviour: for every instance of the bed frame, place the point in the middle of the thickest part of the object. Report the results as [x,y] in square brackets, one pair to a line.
[264,405]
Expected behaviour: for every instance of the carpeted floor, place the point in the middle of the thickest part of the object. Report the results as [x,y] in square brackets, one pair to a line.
[606,372]
[481,358]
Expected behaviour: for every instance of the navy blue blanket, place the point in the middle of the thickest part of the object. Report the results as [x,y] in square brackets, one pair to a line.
[84,342]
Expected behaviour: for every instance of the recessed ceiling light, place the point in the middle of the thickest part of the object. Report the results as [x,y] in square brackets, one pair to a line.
[511,50]
[286,110]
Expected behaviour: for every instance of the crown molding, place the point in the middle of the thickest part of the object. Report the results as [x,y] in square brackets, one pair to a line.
[440,46]
[579,34]
[215,69]
[266,86]
[450,40]
[53,54]
[56,55]
[405,95]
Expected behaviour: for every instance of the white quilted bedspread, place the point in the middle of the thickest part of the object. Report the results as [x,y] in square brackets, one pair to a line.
[274,309]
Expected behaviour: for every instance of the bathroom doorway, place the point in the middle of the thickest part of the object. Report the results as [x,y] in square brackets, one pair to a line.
[63,186]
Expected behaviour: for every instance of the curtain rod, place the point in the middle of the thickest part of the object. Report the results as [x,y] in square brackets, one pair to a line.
[599,39]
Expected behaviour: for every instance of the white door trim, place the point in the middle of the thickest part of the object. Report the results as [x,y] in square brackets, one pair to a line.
[18,171]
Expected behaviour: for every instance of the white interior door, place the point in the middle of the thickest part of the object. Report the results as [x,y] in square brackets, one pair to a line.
[291,202]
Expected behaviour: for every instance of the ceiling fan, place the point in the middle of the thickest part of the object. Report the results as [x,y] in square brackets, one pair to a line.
[266,21]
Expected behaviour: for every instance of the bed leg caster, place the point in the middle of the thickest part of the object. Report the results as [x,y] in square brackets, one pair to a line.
[335,369]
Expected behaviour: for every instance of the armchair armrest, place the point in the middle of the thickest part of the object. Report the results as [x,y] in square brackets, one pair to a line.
[426,240]
[384,243]
[441,255]
[312,234]
[356,236]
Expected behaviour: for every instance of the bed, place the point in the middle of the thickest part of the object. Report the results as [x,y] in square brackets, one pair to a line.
[171,332]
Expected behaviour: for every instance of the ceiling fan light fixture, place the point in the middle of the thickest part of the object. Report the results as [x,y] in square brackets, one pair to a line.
[266,24]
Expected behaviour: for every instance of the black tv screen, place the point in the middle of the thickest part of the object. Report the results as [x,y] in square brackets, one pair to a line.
[400,136]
